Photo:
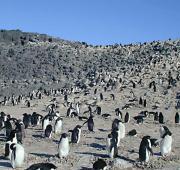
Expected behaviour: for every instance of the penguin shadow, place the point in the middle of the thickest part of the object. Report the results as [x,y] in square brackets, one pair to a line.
[93,154]
[126,159]
[5,165]
[98,146]
[42,155]
[56,141]
[99,138]
[2,139]
[84,168]
[38,136]
[103,130]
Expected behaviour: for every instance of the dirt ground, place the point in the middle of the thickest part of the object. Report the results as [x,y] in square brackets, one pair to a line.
[93,145]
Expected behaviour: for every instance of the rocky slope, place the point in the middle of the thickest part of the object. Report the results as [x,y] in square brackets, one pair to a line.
[31,60]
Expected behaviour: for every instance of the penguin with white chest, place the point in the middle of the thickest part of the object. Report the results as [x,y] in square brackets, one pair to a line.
[166,142]
[17,156]
[58,125]
[112,147]
[121,128]
[46,121]
[63,147]
[145,149]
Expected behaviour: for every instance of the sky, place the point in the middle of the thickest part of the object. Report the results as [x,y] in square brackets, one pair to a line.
[97,22]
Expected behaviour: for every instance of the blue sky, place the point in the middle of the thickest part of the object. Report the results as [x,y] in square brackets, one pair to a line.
[95,21]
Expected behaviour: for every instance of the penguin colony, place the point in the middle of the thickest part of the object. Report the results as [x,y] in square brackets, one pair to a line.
[70,116]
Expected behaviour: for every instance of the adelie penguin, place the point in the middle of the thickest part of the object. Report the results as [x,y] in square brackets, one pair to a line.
[112,145]
[98,110]
[48,131]
[127,118]
[76,134]
[45,122]
[161,118]
[17,156]
[100,164]
[63,147]
[42,166]
[26,120]
[90,124]
[58,125]
[118,113]
[121,128]
[145,149]
[177,118]
[12,139]
[166,142]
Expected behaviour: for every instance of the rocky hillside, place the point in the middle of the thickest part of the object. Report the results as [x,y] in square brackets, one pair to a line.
[30,60]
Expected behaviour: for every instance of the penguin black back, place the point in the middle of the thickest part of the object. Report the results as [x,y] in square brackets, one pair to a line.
[144,146]
[75,134]
[42,166]
[100,164]
[48,131]
[90,124]
[161,118]
[177,117]
[126,118]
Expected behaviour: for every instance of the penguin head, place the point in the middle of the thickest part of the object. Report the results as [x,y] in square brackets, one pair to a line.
[78,127]
[64,135]
[12,146]
[166,132]
[110,135]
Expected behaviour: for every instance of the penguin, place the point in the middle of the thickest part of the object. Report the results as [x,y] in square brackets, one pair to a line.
[58,125]
[8,128]
[156,116]
[101,97]
[161,118]
[132,132]
[116,136]
[26,120]
[154,142]
[63,147]
[162,130]
[145,103]
[17,156]
[45,121]
[95,91]
[115,123]
[113,148]
[145,149]
[19,132]
[106,115]
[118,113]
[126,118]
[8,151]
[42,166]
[77,108]
[76,134]
[90,124]
[112,96]
[70,110]
[121,128]
[139,119]
[166,142]
[140,101]
[100,164]
[108,142]
[98,110]
[48,131]
[177,117]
